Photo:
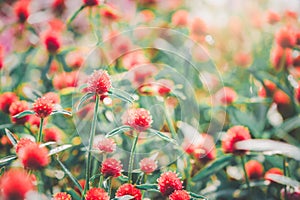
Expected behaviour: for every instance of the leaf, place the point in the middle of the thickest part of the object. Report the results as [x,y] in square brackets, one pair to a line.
[83,99]
[123,178]
[194,195]
[11,137]
[5,126]
[74,194]
[283,180]
[59,149]
[24,113]
[162,136]
[212,168]
[125,197]
[287,126]
[264,145]
[124,96]
[7,159]
[63,112]
[47,144]
[75,181]
[147,186]
[117,130]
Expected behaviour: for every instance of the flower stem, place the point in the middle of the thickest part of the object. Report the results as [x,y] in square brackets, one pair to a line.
[245,172]
[75,15]
[90,145]
[131,159]
[169,121]
[40,135]
[109,186]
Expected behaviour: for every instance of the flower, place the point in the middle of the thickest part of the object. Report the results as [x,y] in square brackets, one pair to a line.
[277,54]
[107,145]
[281,98]
[99,82]
[109,13]
[273,171]
[34,157]
[285,37]
[226,95]
[62,196]
[168,182]
[15,184]
[6,99]
[42,107]
[91,2]
[254,169]
[272,17]
[271,88]
[180,195]
[21,9]
[52,97]
[52,41]
[233,135]
[148,165]
[82,184]
[111,167]
[65,79]
[180,18]
[23,142]
[16,108]
[129,189]
[52,134]
[75,59]
[96,194]
[138,118]
[58,6]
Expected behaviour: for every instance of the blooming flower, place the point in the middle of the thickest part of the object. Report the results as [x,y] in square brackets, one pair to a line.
[148,165]
[254,169]
[52,134]
[96,194]
[62,196]
[23,142]
[42,107]
[168,182]
[16,108]
[281,97]
[52,97]
[6,99]
[107,145]
[99,82]
[91,2]
[52,41]
[286,37]
[180,18]
[277,54]
[138,118]
[21,9]
[226,95]
[129,189]
[273,171]
[180,195]
[65,79]
[111,167]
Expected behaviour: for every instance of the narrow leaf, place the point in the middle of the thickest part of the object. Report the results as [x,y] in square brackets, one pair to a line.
[83,99]
[5,126]
[7,159]
[147,186]
[120,97]
[117,130]
[24,113]
[122,93]
[163,136]
[47,144]
[11,137]
[194,195]
[74,194]
[59,149]
[283,180]
[125,197]
[63,112]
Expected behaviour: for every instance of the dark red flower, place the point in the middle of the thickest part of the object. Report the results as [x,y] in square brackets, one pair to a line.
[91,2]
[52,41]
[6,99]
[15,184]
[96,194]
[180,195]
[62,196]
[21,9]
[52,134]
[129,189]
[148,165]
[286,37]
[107,145]
[111,167]
[271,88]
[273,171]
[99,82]
[233,135]
[58,6]
[168,182]
[254,169]
[42,107]
[16,108]
[23,143]
[138,118]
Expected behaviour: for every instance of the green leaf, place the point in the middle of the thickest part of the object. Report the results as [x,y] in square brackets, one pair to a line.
[62,61]
[287,126]
[75,181]
[47,144]
[24,113]
[283,180]
[83,99]
[5,126]
[213,167]
[194,195]
[59,149]
[147,186]
[117,130]
[123,178]
[124,96]
[125,197]
[74,194]
[11,137]
[62,112]
[7,159]
[162,136]
[269,146]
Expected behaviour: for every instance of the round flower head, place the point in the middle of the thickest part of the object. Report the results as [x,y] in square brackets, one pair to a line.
[42,107]
[99,82]
[6,99]
[226,95]
[180,195]
[107,145]
[96,194]
[233,135]
[129,189]
[52,97]
[138,118]
[273,171]
[52,41]
[34,157]
[52,134]
[15,184]
[62,196]
[148,165]
[91,2]
[21,9]
[111,167]
[168,182]
[286,38]
[16,108]
[23,143]
[254,169]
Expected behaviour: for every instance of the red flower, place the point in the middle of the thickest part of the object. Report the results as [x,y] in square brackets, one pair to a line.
[271,87]
[15,184]
[58,6]
[107,145]
[148,165]
[42,107]
[281,98]
[75,59]
[168,182]
[273,171]
[254,169]
[180,195]
[272,17]
[96,194]
[138,118]
[91,2]
[6,99]
[99,82]
[21,9]
[34,157]
[226,95]
[65,79]
[198,27]
[52,41]
[16,108]
[278,54]
[82,184]
[111,167]
[62,196]
[109,13]
[233,135]
[180,18]
[129,189]
[52,134]
[23,143]
[286,38]
[52,97]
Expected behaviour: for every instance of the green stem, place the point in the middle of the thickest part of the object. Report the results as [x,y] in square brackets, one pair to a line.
[101,177]
[131,159]
[91,140]
[285,173]
[75,15]
[245,172]
[40,135]
[169,121]
[109,186]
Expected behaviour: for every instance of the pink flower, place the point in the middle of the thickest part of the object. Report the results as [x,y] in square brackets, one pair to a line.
[148,165]
[168,182]
[111,167]
[107,145]
[138,118]
[99,82]
[129,189]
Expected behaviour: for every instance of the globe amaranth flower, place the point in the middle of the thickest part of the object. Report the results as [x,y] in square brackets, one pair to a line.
[168,182]
[52,134]
[96,194]
[254,169]
[15,184]
[17,107]
[226,95]
[138,118]
[180,195]
[107,145]
[21,9]
[91,2]
[52,97]
[129,189]
[111,167]
[99,82]
[62,196]
[6,99]
[43,107]
[23,142]
[52,41]
[148,165]
[233,135]
[286,37]
[273,171]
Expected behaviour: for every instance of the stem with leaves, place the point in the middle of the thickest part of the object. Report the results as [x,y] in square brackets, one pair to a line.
[169,121]
[131,158]
[245,172]
[40,135]
[75,15]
